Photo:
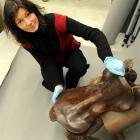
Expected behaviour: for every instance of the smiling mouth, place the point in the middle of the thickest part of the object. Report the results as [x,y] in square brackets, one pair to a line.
[33,27]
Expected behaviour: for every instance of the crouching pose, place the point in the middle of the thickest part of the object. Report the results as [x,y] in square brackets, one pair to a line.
[49,39]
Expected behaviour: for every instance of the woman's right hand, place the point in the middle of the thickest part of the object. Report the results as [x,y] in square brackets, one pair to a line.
[57,91]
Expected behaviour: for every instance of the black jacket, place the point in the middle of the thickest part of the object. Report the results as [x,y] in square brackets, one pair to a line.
[60,31]
[57,42]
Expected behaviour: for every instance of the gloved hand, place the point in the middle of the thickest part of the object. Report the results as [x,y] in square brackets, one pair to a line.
[115,65]
[58,89]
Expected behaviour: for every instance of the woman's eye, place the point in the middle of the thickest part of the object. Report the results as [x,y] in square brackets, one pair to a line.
[28,14]
[20,21]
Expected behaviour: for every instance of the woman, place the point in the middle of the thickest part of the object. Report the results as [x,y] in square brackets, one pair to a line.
[49,39]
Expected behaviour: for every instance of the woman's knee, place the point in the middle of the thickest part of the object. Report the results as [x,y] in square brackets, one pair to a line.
[80,70]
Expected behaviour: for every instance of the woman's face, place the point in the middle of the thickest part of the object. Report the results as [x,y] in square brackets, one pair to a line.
[26,21]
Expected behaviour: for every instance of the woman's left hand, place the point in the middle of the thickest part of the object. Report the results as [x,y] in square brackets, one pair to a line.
[115,65]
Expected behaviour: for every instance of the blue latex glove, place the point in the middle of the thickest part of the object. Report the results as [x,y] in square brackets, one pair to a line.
[115,65]
[58,90]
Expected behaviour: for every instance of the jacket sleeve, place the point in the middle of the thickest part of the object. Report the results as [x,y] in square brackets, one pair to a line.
[88,33]
[49,69]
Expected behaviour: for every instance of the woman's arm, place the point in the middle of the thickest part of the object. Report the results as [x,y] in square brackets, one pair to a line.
[49,69]
[88,33]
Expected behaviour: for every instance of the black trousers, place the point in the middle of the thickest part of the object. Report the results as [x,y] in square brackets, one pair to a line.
[77,67]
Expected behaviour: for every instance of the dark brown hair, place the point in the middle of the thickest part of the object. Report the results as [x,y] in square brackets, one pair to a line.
[10,10]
